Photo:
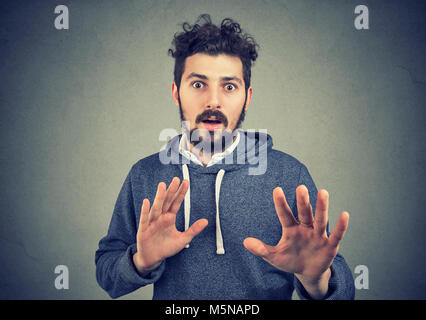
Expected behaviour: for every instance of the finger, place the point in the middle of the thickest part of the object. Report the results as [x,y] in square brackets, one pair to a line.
[157,206]
[304,207]
[282,208]
[257,247]
[321,212]
[143,220]
[194,230]
[180,195]
[339,230]
[170,194]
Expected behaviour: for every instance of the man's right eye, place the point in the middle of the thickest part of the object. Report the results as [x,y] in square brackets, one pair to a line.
[197,85]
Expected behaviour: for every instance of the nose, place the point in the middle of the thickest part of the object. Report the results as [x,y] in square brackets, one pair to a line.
[213,98]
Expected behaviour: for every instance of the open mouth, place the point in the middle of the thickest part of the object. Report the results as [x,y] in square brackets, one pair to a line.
[211,120]
[212,123]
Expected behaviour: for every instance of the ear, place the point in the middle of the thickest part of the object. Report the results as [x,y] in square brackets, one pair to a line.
[175,94]
[249,95]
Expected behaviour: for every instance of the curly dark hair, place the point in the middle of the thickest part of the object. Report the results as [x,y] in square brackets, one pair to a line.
[213,40]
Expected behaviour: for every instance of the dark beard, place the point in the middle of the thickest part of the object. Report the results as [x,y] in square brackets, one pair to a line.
[220,144]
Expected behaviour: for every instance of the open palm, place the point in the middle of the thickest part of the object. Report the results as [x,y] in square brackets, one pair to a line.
[157,236]
[304,249]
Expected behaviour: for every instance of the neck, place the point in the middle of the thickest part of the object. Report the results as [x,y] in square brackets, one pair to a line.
[205,157]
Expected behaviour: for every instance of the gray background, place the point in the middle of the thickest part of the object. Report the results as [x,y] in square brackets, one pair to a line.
[80,106]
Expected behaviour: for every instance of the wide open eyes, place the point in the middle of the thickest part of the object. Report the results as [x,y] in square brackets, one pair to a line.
[228,86]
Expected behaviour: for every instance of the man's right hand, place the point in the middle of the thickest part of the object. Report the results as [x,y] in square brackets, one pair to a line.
[157,237]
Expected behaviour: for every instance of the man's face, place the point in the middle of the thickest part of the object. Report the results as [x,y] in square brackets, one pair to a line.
[212,94]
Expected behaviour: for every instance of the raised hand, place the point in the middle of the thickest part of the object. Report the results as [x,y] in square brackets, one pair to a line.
[304,248]
[157,237]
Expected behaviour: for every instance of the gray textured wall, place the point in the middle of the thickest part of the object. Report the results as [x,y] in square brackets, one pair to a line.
[80,106]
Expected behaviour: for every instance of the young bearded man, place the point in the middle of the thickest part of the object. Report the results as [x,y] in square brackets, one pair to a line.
[239,234]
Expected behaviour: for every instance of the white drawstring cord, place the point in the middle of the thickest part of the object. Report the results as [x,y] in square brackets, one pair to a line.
[187,202]
[219,240]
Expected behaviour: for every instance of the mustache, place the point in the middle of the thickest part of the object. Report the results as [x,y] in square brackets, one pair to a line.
[212,113]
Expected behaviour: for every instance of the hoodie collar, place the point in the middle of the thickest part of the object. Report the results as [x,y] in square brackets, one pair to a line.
[217,157]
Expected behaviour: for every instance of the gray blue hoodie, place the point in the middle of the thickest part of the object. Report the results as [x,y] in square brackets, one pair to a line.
[235,196]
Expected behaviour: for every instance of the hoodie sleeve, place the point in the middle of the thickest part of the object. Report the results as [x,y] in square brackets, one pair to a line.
[341,284]
[115,271]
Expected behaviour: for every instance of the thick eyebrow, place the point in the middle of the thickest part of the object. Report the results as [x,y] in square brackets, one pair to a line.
[232,79]
[202,76]
[196,75]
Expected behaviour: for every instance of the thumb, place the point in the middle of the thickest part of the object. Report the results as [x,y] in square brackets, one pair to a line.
[256,247]
[195,229]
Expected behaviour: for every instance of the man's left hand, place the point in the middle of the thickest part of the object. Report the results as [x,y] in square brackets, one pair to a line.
[305,249]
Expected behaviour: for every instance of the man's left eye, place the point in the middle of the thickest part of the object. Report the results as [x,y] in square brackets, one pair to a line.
[230,87]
